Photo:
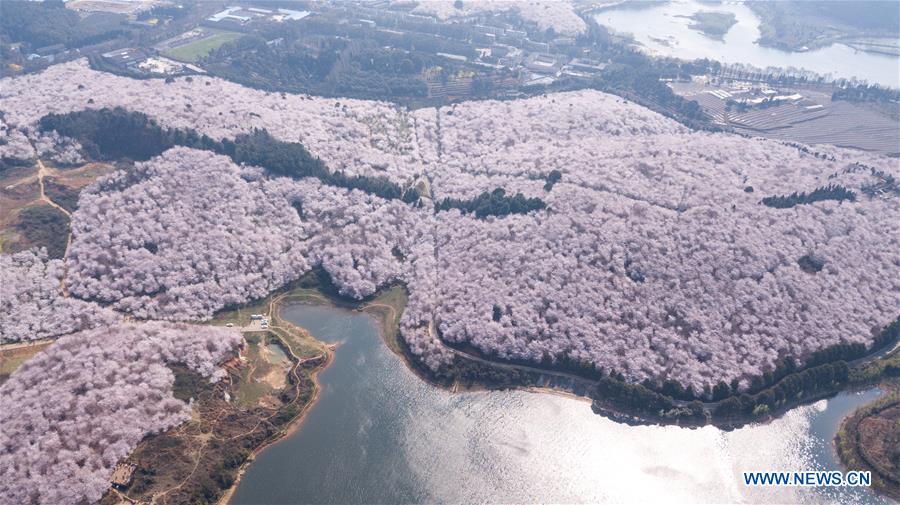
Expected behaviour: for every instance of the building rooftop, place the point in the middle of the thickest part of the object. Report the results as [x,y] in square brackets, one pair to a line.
[293,15]
[457,57]
[246,14]
[122,475]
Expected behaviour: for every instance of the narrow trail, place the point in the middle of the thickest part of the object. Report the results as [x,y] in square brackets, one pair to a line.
[122,496]
[28,343]
[577,378]
[43,172]
[199,458]
[390,308]
[508,366]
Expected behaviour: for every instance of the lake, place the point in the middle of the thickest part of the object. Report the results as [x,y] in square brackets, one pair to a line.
[662,32]
[379,434]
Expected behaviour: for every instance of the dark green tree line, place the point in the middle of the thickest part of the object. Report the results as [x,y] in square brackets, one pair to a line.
[111,134]
[494,203]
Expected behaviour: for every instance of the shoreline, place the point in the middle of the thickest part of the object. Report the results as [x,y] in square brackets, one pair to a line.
[849,450]
[548,379]
[289,430]
[396,346]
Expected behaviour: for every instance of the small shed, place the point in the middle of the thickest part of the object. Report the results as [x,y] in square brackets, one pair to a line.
[122,475]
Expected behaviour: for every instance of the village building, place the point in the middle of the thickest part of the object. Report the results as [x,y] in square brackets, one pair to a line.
[122,475]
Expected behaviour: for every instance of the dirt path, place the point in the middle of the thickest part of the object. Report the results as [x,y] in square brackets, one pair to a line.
[122,496]
[390,308]
[29,343]
[43,172]
[514,366]
[197,460]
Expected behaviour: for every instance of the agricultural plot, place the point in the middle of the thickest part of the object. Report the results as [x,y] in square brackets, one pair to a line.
[198,46]
[845,125]
[814,119]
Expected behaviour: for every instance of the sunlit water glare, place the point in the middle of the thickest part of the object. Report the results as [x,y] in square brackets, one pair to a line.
[379,434]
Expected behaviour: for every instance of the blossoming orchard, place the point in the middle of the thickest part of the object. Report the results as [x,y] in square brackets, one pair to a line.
[653,257]
[651,254]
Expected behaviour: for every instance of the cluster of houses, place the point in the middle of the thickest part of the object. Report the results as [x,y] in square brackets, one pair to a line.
[147,62]
[512,53]
[483,40]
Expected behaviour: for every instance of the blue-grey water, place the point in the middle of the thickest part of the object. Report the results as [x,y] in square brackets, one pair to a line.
[664,30]
[379,434]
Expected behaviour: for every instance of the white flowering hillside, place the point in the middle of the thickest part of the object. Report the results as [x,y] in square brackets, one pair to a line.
[80,406]
[636,245]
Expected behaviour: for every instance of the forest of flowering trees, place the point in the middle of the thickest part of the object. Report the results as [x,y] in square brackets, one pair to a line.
[354,136]
[80,406]
[31,302]
[651,254]
[110,134]
[14,145]
[203,235]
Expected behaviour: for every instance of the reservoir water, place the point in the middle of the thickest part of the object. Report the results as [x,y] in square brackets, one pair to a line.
[379,434]
[664,30]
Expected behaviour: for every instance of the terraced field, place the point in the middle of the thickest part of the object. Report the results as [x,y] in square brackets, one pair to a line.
[814,120]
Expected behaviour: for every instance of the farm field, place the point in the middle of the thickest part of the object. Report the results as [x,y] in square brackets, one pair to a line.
[815,119]
[845,125]
[197,49]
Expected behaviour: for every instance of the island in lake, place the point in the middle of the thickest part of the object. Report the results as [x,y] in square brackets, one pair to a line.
[713,24]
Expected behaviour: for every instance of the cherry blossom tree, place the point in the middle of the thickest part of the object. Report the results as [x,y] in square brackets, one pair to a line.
[358,137]
[653,257]
[31,302]
[72,412]
[152,248]
[14,144]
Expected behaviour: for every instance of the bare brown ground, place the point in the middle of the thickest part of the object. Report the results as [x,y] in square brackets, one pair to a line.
[201,460]
[869,440]
[27,186]
[12,356]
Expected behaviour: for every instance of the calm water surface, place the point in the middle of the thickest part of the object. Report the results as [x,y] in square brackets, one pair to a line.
[662,30]
[380,435]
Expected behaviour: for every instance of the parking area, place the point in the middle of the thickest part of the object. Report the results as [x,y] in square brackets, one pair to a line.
[258,322]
